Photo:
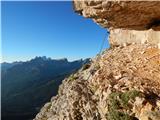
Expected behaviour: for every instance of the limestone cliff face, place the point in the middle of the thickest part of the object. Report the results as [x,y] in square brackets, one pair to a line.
[128,21]
[122,37]
[137,15]
[122,83]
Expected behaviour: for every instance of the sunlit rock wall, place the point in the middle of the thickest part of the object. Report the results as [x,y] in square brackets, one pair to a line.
[128,21]
[122,37]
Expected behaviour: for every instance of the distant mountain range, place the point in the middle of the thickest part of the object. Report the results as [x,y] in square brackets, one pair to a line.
[26,86]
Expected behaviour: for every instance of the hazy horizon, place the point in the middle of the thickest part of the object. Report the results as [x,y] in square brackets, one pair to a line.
[48,28]
[70,60]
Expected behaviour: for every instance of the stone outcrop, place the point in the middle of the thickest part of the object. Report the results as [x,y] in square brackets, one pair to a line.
[137,15]
[122,37]
[122,83]
[128,21]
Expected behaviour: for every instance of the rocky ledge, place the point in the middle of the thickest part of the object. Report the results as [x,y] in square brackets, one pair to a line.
[124,84]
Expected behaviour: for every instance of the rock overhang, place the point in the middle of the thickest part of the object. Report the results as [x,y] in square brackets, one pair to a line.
[132,15]
[128,21]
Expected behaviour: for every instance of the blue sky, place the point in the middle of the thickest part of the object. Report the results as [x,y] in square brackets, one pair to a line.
[49,29]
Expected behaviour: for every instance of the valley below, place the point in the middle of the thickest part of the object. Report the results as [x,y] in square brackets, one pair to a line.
[27,86]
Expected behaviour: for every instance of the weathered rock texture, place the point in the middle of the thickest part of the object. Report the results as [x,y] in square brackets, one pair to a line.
[124,85]
[125,19]
[137,15]
[121,37]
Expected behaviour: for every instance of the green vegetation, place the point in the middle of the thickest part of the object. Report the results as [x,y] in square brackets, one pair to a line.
[119,103]
[130,95]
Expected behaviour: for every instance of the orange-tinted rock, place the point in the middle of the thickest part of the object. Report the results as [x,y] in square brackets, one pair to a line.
[136,15]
